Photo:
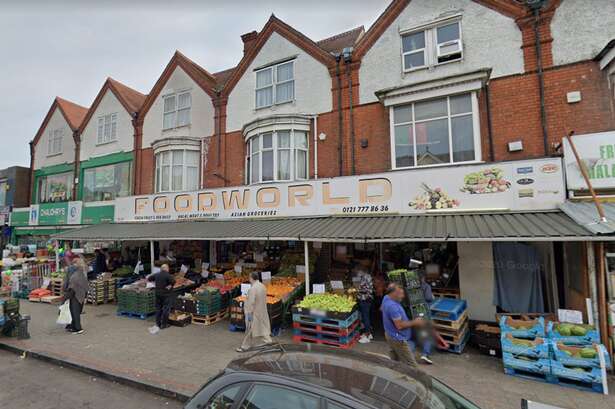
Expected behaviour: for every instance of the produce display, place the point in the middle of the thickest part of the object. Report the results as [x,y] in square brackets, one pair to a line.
[123,271]
[584,352]
[328,302]
[432,199]
[485,181]
[576,330]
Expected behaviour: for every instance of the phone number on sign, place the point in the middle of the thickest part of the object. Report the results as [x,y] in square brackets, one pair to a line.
[365,209]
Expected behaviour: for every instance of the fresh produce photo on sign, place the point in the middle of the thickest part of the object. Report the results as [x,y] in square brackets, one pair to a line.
[489,180]
[433,199]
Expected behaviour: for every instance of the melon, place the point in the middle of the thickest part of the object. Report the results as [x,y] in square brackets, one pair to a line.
[588,353]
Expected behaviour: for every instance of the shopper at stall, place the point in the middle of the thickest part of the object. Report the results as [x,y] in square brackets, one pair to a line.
[365,297]
[164,282]
[397,326]
[76,292]
[257,317]
[100,264]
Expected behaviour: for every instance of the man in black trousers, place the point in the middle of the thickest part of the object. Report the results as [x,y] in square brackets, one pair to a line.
[164,300]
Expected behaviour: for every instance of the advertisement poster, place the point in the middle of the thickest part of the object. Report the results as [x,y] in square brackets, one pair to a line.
[521,185]
[597,151]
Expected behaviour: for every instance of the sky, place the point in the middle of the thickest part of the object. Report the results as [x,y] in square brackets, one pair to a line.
[68,48]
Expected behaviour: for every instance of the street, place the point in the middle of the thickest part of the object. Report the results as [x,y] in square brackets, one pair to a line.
[33,384]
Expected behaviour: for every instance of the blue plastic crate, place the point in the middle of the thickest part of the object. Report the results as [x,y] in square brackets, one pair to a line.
[540,347]
[587,375]
[590,338]
[562,357]
[448,308]
[537,329]
[539,365]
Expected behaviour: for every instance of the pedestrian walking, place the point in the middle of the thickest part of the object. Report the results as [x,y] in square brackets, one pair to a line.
[164,282]
[397,326]
[256,315]
[76,292]
[365,296]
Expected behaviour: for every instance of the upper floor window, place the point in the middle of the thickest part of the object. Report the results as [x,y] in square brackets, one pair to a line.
[3,188]
[55,188]
[107,129]
[176,110]
[177,170]
[434,45]
[55,142]
[107,182]
[277,156]
[436,131]
[275,84]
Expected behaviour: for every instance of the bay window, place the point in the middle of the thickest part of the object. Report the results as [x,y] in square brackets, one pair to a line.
[436,131]
[107,182]
[275,85]
[176,110]
[107,129]
[280,155]
[55,188]
[177,170]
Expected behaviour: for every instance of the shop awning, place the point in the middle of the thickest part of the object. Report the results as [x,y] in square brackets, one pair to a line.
[505,226]
[586,214]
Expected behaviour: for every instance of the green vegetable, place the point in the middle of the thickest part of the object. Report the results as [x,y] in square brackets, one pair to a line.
[328,302]
[588,353]
[578,331]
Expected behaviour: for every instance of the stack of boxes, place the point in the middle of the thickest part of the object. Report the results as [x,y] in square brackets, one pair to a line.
[560,353]
[135,302]
[101,291]
[450,319]
[209,307]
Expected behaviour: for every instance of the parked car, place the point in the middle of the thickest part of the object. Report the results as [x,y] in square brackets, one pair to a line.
[314,377]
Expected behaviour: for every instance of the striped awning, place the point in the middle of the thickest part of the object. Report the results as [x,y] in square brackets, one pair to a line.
[502,226]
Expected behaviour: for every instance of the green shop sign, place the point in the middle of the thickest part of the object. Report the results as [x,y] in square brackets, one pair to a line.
[98,214]
[53,214]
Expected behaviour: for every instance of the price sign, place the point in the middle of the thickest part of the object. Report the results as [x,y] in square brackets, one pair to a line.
[300,269]
[205,274]
[356,279]
[266,275]
[318,288]
[183,269]
[238,268]
[219,276]
[204,266]
[46,282]
[245,288]
[337,285]
[572,316]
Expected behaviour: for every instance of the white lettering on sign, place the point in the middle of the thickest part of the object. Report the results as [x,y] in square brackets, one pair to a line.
[318,288]
[337,285]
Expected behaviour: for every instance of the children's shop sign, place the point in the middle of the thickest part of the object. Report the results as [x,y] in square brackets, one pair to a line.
[520,185]
[50,214]
[597,151]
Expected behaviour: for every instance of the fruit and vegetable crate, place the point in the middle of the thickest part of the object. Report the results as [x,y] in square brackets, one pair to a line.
[208,308]
[580,356]
[448,308]
[408,279]
[57,286]
[418,311]
[537,348]
[581,378]
[180,319]
[528,329]
[521,365]
[324,320]
[11,306]
[415,296]
[185,305]
[572,334]
[121,282]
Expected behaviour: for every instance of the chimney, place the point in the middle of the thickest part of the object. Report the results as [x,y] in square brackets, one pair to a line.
[248,40]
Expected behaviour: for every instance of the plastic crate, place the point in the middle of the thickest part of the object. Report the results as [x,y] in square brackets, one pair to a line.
[560,355]
[585,375]
[527,329]
[448,308]
[540,365]
[538,348]
[591,337]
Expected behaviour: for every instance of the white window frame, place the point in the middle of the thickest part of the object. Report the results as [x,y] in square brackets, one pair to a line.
[185,167]
[106,129]
[475,132]
[176,109]
[432,46]
[274,84]
[292,149]
[55,142]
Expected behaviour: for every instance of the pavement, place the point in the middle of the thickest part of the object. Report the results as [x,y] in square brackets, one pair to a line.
[34,384]
[177,361]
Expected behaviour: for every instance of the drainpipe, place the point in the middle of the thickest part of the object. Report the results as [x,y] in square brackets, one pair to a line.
[31,198]
[541,81]
[202,165]
[217,130]
[315,118]
[340,115]
[489,125]
[347,60]
[76,167]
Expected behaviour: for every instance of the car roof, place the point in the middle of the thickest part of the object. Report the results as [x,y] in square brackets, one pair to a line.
[372,379]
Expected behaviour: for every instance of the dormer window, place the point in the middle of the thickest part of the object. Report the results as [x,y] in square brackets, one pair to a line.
[176,110]
[275,84]
[431,45]
[107,129]
[55,142]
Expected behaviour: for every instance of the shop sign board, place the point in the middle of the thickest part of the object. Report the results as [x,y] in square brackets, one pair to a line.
[5,212]
[597,151]
[521,185]
[53,214]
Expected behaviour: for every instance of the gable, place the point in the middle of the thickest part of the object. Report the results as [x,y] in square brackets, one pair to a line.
[108,104]
[42,159]
[311,76]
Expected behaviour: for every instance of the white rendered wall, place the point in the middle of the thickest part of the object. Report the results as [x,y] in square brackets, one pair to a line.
[490,40]
[41,159]
[201,114]
[581,28]
[125,131]
[476,276]
[312,85]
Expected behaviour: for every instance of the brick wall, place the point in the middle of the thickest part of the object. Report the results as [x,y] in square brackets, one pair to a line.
[146,175]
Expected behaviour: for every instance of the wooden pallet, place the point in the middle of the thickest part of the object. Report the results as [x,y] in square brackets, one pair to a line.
[311,340]
[315,328]
[34,299]
[448,325]
[52,299]
[209,319]
[455,337]
[445,293]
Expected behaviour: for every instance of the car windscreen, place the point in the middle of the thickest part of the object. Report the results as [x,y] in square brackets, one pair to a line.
[443,397]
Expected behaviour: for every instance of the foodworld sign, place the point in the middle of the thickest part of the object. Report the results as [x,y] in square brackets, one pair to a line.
[520,185]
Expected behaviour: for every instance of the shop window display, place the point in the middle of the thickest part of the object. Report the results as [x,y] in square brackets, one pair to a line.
[107,182]
[55,188]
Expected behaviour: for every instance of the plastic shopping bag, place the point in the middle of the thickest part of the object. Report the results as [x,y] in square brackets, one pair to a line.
[64,318]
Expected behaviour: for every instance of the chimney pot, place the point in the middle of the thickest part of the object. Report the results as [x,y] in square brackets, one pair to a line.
[248,40]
